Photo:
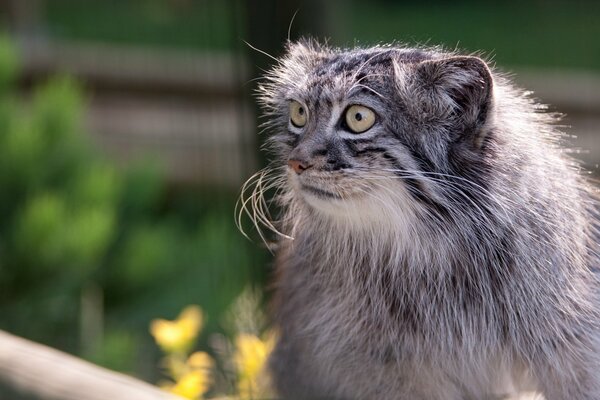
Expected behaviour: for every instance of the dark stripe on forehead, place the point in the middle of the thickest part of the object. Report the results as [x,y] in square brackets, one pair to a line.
[318,95]
[350,62]
[322,101]
[316,90]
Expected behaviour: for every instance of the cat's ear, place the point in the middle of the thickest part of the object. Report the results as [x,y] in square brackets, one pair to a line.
[461,86]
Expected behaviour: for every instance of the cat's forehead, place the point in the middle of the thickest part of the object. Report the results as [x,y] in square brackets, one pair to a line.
[351,62]
[340,62]
[333,74]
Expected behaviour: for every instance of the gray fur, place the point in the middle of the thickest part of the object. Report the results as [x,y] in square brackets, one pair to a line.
[446,253]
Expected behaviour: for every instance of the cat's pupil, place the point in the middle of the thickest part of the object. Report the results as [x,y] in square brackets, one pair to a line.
[358,116]
[301,111]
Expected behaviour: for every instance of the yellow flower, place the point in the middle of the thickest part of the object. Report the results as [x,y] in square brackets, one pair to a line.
[179,335]
[200,360]
[175,365]
[193,377]
[250,358]
[192,385]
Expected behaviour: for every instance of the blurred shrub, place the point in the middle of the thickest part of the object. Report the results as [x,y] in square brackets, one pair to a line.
[179,23]
[70,220]
[115,350]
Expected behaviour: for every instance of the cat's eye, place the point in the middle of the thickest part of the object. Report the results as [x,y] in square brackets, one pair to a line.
[298,114]
[359,118]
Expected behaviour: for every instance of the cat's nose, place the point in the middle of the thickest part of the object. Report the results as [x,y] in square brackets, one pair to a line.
[298,166]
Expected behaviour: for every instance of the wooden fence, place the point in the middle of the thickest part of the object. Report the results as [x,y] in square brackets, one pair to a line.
[184,108]
[30,370]
[188,109]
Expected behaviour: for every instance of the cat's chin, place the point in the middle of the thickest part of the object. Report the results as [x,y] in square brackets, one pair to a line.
[326,187]
[356,208]
[328,199]
[325,201]
[353,200]
[321,193]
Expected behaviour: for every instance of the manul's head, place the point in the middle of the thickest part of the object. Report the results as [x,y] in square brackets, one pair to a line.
[379,131]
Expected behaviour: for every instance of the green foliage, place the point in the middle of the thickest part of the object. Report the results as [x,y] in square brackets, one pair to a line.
[145,255]
[185,24]
[112,348]
[9,65]
[69,219]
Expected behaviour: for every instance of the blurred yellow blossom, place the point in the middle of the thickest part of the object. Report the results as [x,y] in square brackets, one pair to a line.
[175,365]
[179,335]
[193,384]
[192,375]
[200,360]
[250,357]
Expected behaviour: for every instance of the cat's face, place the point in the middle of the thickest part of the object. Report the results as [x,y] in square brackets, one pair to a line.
[363,128]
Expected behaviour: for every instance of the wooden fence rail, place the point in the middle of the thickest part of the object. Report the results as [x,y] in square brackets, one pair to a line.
[40,372]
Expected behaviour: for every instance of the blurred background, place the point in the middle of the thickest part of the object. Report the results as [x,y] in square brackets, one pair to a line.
[127,128]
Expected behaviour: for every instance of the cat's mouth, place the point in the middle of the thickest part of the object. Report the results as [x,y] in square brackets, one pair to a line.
[324,186]
[322,193]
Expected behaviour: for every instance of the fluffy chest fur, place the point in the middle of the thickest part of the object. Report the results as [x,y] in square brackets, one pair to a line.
[380,314]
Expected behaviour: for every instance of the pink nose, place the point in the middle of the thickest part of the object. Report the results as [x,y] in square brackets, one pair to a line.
[298,166]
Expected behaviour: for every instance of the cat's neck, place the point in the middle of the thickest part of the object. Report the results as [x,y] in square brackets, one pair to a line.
[340,240]
[388,240]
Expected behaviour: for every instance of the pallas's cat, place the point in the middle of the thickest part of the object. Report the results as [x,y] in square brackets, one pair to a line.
[436,241]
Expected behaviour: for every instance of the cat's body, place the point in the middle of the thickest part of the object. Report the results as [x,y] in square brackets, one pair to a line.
[444,253]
